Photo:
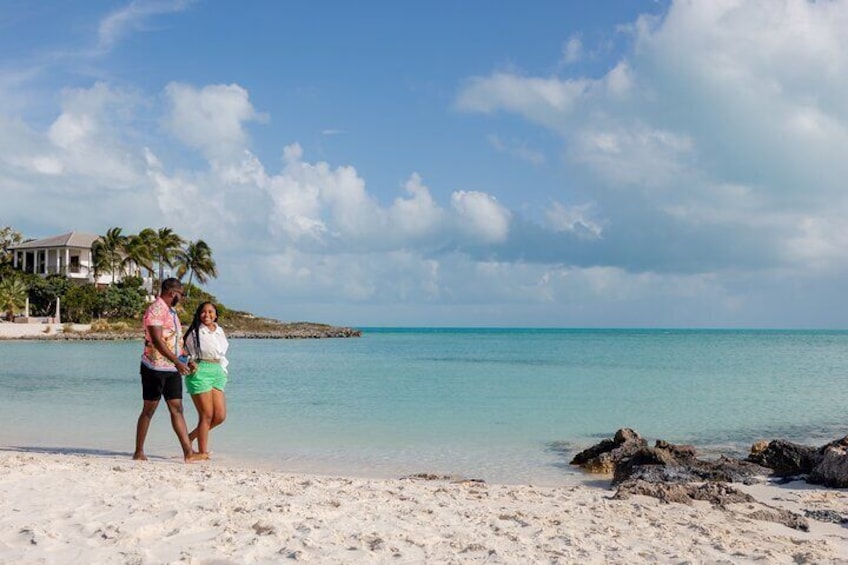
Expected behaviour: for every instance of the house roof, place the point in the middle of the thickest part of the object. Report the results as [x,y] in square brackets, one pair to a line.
[70,239]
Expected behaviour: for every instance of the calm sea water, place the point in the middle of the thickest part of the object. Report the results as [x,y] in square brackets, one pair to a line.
[504,405]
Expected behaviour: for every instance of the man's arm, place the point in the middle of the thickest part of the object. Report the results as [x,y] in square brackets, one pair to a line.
[162,347]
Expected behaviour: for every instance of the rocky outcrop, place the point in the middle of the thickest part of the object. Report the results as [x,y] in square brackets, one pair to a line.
[603,457]
[298,333]
[720,495]
[826,465]
[784,458]
[628,455]
[831,470]
[674,473]
[656,465]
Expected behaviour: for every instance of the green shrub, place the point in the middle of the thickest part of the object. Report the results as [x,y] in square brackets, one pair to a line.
[81,304]
[122,302]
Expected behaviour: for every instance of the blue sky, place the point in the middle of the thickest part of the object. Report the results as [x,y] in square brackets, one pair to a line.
[457,163]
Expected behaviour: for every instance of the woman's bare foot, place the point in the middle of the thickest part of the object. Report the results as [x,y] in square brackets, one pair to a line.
[139,456]
[194,457]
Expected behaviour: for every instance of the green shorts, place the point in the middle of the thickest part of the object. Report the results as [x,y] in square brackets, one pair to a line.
[205,378]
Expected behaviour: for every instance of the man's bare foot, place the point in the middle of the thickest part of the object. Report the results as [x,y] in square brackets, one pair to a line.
[139,456]
[194,457]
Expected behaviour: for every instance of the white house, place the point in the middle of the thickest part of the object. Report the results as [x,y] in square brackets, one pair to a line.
[68,254]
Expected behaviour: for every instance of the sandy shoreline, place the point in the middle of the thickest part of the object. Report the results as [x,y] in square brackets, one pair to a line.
[9,330]
[89,508]
[77,332]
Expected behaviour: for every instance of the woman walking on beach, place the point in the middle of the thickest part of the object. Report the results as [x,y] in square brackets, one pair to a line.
[207,344]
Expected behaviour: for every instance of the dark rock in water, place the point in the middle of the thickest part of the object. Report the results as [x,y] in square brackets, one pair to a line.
[729,470]
[832,468]
[827,465]
[785,458]
[666,462]
[604,456]
[648,462]
[724,469]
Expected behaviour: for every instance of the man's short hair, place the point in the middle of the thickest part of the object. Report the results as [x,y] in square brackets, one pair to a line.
[171,284]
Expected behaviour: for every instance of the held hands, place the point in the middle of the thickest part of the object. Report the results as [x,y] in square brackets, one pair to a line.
[185,365]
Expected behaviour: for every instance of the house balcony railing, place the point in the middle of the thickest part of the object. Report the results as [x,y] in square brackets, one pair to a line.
[74,271]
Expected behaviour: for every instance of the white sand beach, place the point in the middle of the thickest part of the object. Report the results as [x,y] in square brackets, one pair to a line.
[70,508]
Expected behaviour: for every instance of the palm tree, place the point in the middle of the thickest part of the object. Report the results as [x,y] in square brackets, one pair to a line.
[8,238]
[13,295]
[99,259]
[166,246]
[196,259]
[136,254]
[112,247]
[148,236]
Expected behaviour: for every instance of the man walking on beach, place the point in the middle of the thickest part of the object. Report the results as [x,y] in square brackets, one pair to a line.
[162,369]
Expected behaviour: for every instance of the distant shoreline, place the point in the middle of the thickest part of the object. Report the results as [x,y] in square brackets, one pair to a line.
[56,332]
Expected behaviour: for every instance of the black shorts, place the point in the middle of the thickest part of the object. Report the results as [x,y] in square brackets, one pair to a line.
[156,384]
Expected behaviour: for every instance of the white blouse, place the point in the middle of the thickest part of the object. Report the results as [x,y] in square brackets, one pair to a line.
[213,346]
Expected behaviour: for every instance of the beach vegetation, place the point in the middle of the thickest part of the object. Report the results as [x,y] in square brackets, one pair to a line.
[81,303]
[8,238]
[151,251]
[138,254]
[166,244]
[110,248]
[133,260]
[44,291]
[13,295]
[196,260]
[194,297]
[106,326]
[121,302]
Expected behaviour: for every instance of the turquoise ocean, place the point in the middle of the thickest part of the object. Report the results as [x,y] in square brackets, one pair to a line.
[503,405]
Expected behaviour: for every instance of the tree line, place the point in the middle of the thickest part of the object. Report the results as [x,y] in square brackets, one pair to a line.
[125,257]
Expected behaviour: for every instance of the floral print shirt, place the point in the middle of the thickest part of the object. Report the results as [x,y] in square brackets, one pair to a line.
[161,315]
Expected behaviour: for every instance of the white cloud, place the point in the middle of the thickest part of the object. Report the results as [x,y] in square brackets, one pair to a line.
[85,143]
[481,216]
[134,17]
[211,119]
[575,219]
[727,121]
[546,101]
[634,154]
[418,216]
[572,51]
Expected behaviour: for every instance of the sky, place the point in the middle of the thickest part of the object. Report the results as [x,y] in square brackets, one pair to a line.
[552,163]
